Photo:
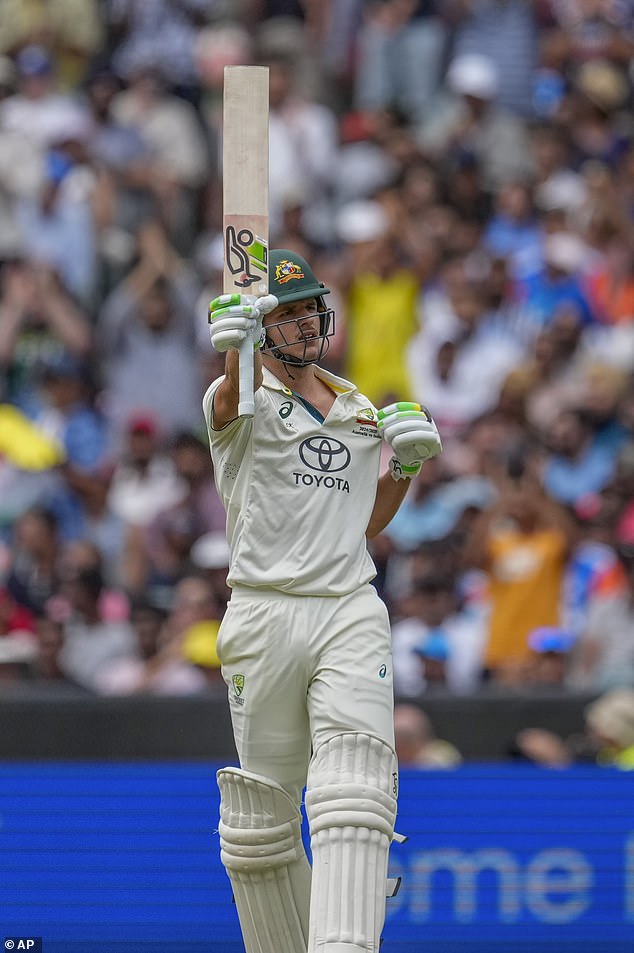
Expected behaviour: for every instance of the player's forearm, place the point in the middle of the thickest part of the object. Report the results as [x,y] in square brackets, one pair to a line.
[389,496]
[227,395]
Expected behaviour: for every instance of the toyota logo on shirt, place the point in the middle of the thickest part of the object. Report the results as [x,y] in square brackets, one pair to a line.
[324,454]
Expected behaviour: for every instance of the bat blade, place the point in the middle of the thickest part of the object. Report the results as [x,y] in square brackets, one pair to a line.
[245,197]
[245,193]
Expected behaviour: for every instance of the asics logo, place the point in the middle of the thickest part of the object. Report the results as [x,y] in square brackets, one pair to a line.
[324,454]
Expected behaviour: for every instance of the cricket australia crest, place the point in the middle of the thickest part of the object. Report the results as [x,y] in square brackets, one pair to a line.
[237,682]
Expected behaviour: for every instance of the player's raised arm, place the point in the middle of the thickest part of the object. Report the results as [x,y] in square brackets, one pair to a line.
[233,320]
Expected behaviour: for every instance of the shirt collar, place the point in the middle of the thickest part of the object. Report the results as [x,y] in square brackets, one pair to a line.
[338,384]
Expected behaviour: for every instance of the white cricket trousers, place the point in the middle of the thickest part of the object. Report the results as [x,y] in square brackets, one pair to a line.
[301,669]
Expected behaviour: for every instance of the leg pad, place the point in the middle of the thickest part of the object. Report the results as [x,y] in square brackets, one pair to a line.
[351,807]
[262,851]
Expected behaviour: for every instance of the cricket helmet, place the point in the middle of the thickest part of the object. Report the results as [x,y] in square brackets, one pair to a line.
[292,279]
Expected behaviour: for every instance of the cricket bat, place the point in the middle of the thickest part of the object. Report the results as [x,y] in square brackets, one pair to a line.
[245,197]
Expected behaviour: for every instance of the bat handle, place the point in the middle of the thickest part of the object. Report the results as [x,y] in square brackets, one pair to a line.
[246,402]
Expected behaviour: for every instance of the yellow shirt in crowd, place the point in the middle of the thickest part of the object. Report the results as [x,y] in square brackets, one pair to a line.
[382,317]
[526,573]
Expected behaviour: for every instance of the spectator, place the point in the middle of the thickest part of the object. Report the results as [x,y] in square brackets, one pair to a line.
[121,163]
[21,167]
[145,480]
[90,642]
[66,411]
[38,108]
[467,200]
[434,654]
[400,52]
[513,232]
[159,34]
[29,463]
[505,31]
[605,654]
[438,638]
[14,618]
[75,557]
[557,288]
[38,321]
[18,642]
[194,626]
[557,186]
[604,389]
[33,575]
[469,121]
[587,31]
[599,89]
[416,743]
[158,669]
[210,555]
[82,506]
[417,197]
[381,296]
[17,657]
[608,738]
[438,320]
[611,282]
[622,485]
[540,746]
[434,508]
[593,566]
[51,187]
[523,542]
[610,720]
[625,180]
[73,30]
[303,146]
[460,377]
[548,664]
[57,226]
[50,641]
[171,129]
[577,464]
[161,552]
[149,321]
[551,375]
[364,164]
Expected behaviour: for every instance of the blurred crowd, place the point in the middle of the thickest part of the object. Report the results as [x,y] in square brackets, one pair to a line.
[461,174]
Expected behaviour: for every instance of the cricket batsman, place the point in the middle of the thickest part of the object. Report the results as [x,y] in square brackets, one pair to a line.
[305,643]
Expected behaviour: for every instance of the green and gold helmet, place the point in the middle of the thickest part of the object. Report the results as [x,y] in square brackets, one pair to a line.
[292,279]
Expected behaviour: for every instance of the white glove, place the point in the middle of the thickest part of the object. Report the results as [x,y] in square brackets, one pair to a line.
[234,317]
[413,436]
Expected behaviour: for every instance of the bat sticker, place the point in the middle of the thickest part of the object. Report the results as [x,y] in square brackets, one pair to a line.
[245,252]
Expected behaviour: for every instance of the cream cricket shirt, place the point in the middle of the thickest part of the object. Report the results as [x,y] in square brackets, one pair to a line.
[298,493]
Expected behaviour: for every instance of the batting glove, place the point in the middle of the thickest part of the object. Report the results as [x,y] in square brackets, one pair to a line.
[234,317]
[411,432]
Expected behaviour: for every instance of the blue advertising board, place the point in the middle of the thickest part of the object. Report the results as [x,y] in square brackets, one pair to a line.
[115,858]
